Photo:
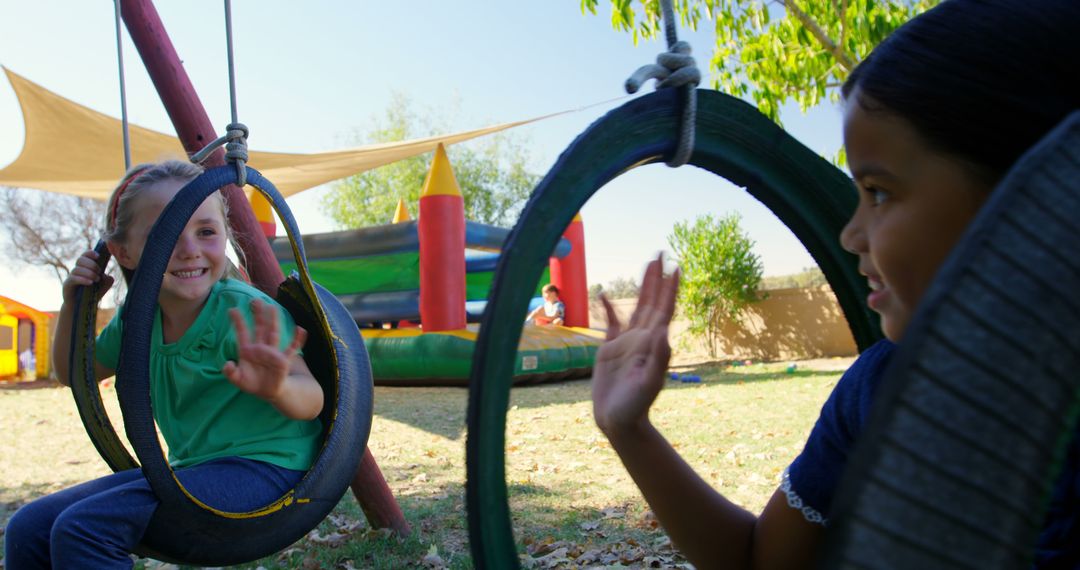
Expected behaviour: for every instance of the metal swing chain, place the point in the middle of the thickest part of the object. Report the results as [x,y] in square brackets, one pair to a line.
[235,137]
[673,68]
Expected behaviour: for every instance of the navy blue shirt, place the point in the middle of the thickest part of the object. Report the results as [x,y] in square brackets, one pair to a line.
[811,480]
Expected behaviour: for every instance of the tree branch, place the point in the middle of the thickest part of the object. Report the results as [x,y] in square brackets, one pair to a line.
[841,56]
[843,24]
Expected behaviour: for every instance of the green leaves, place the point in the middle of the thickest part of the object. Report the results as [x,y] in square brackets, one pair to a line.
[492,174]
[799,50]
[720,273]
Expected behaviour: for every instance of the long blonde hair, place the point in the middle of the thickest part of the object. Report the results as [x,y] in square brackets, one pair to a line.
[121,210]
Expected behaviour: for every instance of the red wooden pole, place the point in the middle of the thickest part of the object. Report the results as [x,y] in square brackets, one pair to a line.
[379,507]
[193,126]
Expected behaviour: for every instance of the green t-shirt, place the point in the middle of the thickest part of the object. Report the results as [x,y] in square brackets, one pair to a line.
[202,415]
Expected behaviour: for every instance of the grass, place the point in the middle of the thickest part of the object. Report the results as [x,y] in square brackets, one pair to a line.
[573,505]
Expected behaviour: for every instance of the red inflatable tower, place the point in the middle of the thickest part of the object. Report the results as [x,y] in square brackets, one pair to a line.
[568,274]
[441,228]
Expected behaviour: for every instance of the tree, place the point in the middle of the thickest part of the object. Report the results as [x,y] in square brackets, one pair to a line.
[803,53]
[49,230]
[622,288]
[808,277]
[493,178]
[720,273]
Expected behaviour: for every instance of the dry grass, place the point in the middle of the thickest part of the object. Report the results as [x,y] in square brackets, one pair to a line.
[572,502]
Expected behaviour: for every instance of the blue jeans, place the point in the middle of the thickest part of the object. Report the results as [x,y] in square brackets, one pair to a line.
[98,523]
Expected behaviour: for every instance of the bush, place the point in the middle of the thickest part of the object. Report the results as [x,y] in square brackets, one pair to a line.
[720,273]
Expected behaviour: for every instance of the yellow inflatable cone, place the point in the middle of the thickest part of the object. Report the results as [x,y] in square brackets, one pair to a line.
[401,214]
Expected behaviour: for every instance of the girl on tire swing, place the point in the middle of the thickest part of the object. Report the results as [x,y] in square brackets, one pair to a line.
[234,402]
[933,119]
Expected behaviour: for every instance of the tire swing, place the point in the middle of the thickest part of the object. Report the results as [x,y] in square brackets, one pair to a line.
[981,399]
[807,193]
[183,529]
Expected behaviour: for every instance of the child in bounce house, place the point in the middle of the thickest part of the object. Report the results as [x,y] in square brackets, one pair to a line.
[552,312]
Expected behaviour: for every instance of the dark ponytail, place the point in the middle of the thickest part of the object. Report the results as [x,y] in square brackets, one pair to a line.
[982,80]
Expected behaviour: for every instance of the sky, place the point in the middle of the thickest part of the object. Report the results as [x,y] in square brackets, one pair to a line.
[315,76]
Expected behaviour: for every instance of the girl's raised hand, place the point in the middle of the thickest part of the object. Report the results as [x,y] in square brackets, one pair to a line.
[86,272]
[261,367]
[632,364]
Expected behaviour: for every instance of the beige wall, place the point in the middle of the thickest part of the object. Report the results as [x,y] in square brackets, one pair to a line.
[789,324]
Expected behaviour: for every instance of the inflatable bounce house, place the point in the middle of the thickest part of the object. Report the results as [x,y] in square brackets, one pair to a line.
[22,330]
[417,289]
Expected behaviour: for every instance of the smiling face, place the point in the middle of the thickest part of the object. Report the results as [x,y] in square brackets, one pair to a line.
[914,203]
[198,259]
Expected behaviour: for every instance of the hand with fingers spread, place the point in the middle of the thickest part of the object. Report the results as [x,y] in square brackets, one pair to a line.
[261,367]
[631,365]
[87,271]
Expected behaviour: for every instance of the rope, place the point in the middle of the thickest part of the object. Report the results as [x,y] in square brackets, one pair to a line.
[235,137]
[235,142]
[123,91]
[673,68]
[229,51]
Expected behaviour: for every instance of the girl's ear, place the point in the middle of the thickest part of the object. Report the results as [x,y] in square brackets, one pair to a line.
[120,254]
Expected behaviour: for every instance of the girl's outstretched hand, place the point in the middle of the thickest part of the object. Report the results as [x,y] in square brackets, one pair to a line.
[86,272]
[632,364]
[261,367]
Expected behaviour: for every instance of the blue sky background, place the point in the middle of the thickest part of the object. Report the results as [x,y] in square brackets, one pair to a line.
[313,76]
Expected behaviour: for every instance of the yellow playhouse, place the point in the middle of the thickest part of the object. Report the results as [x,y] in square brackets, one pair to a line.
[22,329]
[9,343]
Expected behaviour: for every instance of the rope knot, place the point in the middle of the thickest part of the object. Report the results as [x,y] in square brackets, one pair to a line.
[236,150]
[235,142]
[673,68]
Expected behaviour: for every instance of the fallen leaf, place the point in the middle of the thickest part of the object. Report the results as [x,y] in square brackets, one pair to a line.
[310,563]
[613,513]
[332,540]
[432,558]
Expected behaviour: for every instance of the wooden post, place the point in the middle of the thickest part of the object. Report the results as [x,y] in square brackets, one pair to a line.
[193,126]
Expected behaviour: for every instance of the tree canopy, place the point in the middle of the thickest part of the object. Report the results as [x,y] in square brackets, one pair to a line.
[492,174]
[776,50]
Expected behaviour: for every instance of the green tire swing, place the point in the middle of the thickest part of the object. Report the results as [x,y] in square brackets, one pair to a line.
[184,529]
[981,400]
[733,140]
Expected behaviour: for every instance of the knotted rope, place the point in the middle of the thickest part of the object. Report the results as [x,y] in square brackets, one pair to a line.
[673,68]
[235,142]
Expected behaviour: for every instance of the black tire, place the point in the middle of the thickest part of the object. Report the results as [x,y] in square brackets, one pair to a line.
[810,195]
[182,529]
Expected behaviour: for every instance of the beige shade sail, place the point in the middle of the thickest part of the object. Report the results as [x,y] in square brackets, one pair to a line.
[72,149]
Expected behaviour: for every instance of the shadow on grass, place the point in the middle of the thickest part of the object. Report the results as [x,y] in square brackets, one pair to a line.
[730,378]
[40,384]
[438,519]
[442,410]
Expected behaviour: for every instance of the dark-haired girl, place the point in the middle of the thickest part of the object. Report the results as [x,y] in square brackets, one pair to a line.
[933,118]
